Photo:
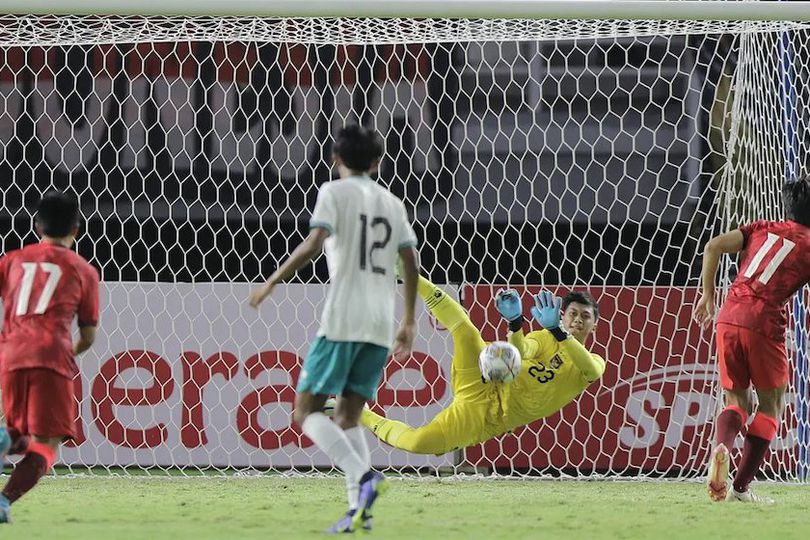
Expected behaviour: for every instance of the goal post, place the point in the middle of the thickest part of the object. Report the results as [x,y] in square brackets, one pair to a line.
[696,10]
[793,167]
[566,145]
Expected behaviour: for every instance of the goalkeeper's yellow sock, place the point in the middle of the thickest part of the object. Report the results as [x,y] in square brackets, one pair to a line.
[446,310]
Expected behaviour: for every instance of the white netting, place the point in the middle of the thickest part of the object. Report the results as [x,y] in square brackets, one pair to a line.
[598,154]
[44,31]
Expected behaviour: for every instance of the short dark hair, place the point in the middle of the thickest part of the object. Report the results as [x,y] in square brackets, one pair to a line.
[58,214]
[581,297]
[357,147]
[796,198]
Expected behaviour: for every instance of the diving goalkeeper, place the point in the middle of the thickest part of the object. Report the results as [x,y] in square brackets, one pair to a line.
[555,369]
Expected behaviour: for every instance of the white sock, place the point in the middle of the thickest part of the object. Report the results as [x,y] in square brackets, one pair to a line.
[332,441]
[357,438]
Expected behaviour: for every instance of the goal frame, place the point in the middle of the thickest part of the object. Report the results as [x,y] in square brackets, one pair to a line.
[766,10]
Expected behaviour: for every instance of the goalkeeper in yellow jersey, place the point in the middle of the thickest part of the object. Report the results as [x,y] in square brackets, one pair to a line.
[555,369]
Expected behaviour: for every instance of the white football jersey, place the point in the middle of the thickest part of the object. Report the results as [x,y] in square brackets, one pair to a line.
[367,227]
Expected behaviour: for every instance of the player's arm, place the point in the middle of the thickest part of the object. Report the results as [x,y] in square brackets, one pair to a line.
[403,341]
[409,258]
[508,303]
[526,345]
[410,275]
[301,255]
[589,365]
[88,312]
[87,335]
[322,224]
[730,242]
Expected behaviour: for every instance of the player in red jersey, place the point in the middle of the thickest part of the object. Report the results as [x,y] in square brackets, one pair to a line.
[751,333]
[44,287]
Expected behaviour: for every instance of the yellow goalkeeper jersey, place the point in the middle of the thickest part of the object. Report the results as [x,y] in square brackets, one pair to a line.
[552,374]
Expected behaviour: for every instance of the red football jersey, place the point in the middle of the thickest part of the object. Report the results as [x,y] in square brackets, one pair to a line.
[775,264]
[44,286]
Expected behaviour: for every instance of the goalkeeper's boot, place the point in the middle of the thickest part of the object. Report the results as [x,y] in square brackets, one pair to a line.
[329,407]
[5,510]
[747,497]
[372,485]
[717,483]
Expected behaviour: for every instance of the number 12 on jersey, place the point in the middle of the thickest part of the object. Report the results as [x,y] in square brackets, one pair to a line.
[29,272]
[366,254]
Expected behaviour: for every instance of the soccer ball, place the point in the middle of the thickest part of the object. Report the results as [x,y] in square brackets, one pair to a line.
[499,362]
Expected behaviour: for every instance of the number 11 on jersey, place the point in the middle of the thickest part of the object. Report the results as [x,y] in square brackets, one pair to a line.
[770,268]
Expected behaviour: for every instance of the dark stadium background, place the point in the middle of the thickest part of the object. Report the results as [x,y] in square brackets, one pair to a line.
[157,221]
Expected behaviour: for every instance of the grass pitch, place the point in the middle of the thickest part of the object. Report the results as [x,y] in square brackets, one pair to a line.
[268,508]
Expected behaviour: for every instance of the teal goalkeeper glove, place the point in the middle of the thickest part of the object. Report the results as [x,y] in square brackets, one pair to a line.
[546,310]
[508,303]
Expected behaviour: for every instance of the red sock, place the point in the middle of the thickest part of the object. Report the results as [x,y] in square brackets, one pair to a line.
[760,434]
[729,424]
[38,459]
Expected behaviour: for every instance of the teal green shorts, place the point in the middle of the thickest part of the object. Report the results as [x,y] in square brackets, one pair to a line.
[335,367]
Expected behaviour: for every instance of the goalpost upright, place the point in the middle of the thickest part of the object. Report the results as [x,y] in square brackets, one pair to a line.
[794,167]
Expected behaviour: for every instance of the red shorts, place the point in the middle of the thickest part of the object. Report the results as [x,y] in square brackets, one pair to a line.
[747,357]
[39,402]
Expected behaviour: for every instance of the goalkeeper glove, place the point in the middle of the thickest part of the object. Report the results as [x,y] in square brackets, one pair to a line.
[508,303]
[546,310]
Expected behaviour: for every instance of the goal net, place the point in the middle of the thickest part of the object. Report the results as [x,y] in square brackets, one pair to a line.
[568,154]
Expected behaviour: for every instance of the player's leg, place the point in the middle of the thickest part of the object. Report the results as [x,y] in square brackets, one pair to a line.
[19,442]
[368,364]
[5,437]
[307,404]
[427,439]
[47,401]
[735,379]
[346,415]
[459,425]
[5,443]
[14,401]
[769,375]
[452,316]
[14,391]
[729,423]
[39,458]
[325,372]
[332,441]
[761,432]
[465,376]
[733,417]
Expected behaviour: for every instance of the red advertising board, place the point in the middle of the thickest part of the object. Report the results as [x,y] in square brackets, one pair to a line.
[184,375]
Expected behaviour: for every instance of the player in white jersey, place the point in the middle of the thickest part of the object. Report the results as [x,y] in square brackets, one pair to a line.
[363,228]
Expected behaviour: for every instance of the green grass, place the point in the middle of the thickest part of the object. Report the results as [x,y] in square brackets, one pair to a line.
[275,508]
